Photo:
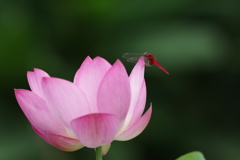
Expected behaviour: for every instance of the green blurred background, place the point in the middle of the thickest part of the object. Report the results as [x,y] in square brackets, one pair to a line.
[196,107]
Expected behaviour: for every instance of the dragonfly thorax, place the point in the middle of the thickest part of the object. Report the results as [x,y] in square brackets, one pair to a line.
[148,59]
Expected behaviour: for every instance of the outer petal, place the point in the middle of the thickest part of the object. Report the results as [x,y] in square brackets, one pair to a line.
[95,130]
[89,77]
[84,66]
[34,80]
[105,149]
[37,112]
[138,93]
[137,128]
[136,111]
[60,142]
[41,134]
[65,100]
[114,92]
[136,79]
[64,143]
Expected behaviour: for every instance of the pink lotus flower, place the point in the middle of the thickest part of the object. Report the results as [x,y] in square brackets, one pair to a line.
[102,104]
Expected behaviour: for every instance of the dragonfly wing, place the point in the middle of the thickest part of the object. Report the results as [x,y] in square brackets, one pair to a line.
[127,55]
[132,57]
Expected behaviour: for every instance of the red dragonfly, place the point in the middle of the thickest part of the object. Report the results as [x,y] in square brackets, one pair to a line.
[149,59]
